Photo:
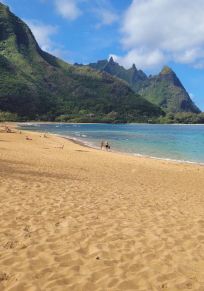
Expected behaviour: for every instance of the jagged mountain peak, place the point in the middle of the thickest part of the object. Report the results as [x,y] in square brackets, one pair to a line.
[134,67]
[164,89]
[166,70]
[130,75]
[170,76]
[111,60]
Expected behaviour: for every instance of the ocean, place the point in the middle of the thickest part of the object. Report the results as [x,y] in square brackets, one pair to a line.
[174,142]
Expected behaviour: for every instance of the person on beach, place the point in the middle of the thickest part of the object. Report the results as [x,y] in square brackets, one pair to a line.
[7,129]
[107,146]
[102,145]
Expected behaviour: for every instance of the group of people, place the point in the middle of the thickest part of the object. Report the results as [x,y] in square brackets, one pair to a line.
[105,145]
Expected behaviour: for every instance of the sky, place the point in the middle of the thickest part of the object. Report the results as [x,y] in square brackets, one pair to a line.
[149,33]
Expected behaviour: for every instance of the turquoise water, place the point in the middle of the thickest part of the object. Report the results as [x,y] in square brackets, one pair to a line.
[177,142]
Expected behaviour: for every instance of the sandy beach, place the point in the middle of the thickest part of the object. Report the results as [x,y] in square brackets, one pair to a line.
[77,218]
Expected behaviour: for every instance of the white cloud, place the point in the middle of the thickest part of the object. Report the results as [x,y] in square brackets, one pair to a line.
[155,31]
[42,33]
[142,58]
[105,12]
[68,9]
[73,9]
[189,56]
[106,17]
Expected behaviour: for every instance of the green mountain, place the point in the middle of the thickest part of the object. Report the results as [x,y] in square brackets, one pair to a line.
[131,76]
[164,89]
[35,84]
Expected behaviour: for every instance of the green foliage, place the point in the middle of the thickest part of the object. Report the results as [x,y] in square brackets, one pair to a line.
[164,90]
[7,116]
[182,118]
[37,85]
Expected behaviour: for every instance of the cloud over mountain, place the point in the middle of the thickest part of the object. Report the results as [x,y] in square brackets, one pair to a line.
[157,31]
[43,33]
[68,9]
[73,9]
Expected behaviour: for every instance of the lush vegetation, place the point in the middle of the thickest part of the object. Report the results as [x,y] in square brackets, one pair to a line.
[38,86]
[35,85]
[182,117]
[8,116]
[112,117]
[164,90]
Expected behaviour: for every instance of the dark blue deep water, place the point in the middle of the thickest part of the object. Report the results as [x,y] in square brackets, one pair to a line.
[177,142]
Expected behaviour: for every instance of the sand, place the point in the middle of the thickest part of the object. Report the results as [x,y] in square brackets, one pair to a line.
[83,219]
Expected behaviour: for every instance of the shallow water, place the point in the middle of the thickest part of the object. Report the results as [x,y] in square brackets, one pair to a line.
[176,142]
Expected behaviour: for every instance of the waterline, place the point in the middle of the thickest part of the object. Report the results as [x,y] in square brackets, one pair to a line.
[180,143]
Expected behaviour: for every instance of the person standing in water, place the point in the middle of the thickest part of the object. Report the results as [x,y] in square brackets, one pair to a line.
[107,146]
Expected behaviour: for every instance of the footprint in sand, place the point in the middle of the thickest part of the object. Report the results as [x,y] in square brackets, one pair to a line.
[10,244]
[4,277]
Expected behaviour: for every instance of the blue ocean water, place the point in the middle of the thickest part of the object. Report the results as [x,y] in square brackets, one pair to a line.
[177,142]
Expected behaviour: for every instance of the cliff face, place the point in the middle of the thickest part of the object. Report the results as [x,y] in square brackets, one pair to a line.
[34,83]
[164,89]
[167,91]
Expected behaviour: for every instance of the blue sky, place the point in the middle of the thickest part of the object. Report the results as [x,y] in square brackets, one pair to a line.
[149,33]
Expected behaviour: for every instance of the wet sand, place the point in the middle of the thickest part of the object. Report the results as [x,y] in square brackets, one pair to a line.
[83,219]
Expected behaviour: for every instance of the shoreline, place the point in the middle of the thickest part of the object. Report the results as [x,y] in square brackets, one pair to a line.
[56,122]
[136,155]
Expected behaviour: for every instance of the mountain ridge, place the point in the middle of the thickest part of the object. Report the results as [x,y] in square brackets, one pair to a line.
[164,89]
[37,85]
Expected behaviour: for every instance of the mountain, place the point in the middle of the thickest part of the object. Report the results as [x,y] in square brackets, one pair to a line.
[164,89]
[167,91]
[131,76]
[37,85]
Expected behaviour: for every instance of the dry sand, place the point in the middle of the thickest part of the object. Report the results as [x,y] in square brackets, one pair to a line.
[83,219]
